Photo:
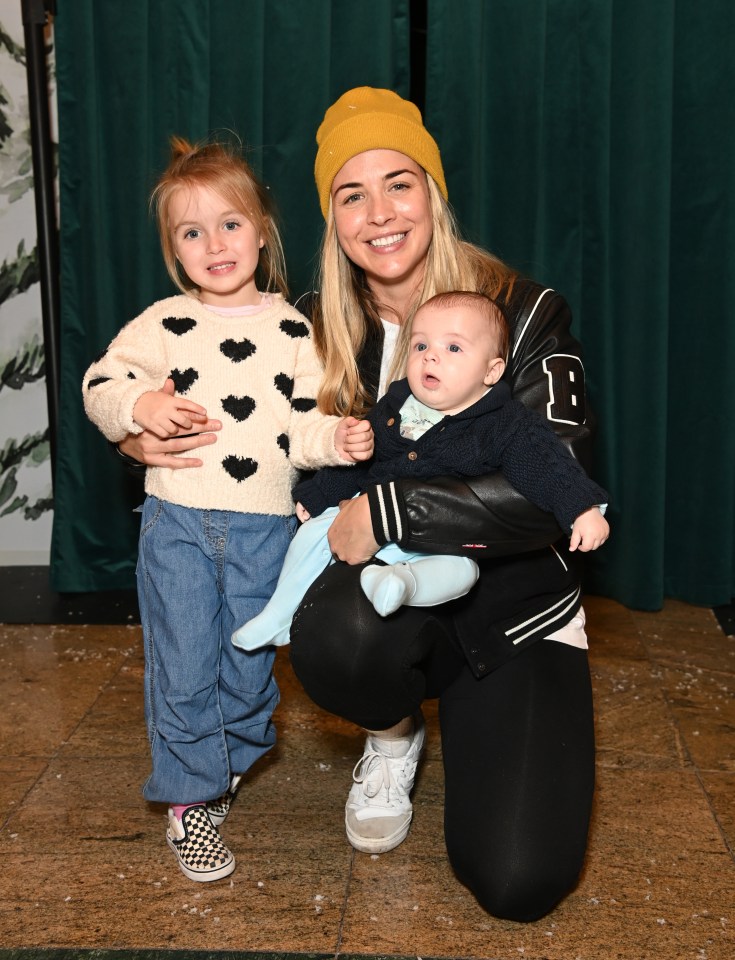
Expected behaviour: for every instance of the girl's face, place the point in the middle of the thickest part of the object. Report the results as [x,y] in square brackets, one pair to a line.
[382,213]
[217,246]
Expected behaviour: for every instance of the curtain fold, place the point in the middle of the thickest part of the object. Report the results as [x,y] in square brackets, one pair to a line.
[591,144]
[130,75]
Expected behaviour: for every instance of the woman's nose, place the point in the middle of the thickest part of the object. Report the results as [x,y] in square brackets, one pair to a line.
[380,209]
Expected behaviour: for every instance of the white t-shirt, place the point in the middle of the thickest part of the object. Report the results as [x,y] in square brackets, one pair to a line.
[390,339]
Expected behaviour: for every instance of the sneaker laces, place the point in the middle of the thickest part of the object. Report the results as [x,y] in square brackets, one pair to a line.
[375,772]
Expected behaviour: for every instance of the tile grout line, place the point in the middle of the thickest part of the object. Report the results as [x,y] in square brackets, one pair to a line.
[345,903]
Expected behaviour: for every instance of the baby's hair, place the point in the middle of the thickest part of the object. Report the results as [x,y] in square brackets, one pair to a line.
[487,307]
[221,167]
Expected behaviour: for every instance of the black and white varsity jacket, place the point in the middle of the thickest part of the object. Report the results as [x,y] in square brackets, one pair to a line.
[529,583]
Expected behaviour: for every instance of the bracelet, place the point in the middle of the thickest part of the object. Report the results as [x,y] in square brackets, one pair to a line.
[130,461]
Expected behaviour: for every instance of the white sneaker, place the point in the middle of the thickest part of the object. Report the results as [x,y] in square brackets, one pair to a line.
[378,811]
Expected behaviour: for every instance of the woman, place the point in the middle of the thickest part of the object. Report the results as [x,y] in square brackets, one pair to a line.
[508,661]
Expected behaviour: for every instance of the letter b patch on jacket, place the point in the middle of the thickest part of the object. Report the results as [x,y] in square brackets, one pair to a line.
[566,389]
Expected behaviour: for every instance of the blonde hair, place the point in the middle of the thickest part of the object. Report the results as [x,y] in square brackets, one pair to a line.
[347,308]
[220,167]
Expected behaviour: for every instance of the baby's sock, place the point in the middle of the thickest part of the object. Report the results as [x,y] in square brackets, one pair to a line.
[388,587]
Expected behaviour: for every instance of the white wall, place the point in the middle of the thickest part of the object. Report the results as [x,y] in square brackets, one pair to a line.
[25,485]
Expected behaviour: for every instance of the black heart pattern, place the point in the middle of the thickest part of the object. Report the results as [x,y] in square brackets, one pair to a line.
[178,325]
[240,468]
[284,384]
[238,407]
[303,404]
[184,379]
[294,328]
[237,350]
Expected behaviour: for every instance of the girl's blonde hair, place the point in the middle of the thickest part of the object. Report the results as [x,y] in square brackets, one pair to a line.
[348,310]
[222,168]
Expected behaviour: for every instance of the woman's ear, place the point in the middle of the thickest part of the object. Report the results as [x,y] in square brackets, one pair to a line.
[495,370]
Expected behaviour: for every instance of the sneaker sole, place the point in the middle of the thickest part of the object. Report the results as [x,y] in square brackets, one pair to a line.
[217,818]
[377,844]
[198,875]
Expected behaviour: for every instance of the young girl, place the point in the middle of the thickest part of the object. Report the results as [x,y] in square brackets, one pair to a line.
[213,540]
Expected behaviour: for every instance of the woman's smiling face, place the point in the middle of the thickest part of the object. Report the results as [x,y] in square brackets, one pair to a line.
[382,213]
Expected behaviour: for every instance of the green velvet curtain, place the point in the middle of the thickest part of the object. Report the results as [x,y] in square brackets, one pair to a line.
[592,144]
[589,142]
[129,75]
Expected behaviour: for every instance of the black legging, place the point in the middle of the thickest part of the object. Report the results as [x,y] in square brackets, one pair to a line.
[518,745]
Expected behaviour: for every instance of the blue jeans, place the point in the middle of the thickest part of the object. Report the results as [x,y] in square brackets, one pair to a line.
[208,705]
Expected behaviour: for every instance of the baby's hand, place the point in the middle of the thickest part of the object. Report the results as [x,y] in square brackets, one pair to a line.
[302,513]
[590,530]
[353,439]
[165,415]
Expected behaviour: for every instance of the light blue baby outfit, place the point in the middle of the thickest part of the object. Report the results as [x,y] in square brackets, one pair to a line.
[444,577]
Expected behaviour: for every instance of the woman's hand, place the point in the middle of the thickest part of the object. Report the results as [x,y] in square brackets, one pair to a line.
[351,532]
[151,450]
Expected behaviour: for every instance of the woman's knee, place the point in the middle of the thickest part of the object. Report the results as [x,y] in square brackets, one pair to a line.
[352,662]
[513,891]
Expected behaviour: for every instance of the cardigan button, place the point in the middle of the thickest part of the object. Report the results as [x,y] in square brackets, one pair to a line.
[413,455]
[391,421]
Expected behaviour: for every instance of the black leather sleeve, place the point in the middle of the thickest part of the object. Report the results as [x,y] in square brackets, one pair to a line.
[485,517]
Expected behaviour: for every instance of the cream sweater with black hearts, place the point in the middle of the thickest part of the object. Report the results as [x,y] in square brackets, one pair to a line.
[257,373]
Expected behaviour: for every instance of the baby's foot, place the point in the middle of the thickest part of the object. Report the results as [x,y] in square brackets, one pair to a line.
[388,587]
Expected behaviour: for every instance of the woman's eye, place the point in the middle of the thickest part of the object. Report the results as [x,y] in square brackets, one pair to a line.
[399,186]
[351,198]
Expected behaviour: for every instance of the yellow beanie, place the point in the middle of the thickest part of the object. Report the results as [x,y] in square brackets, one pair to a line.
[368,118]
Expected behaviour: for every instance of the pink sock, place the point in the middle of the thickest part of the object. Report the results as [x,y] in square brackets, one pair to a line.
[178,808]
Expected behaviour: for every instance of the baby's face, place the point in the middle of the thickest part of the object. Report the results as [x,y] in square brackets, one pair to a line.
[453,357]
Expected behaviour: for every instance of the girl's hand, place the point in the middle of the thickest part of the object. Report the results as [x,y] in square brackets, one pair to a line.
[351,532]
[590,530]
[152,450]
[353,439]
[166,415]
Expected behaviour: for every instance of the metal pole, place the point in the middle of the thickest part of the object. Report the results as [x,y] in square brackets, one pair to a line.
[35,16]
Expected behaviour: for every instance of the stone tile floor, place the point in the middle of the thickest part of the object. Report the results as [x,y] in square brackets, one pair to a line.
[85,865]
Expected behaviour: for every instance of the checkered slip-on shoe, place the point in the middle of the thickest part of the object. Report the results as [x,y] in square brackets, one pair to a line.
[198,846]
[219,808]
